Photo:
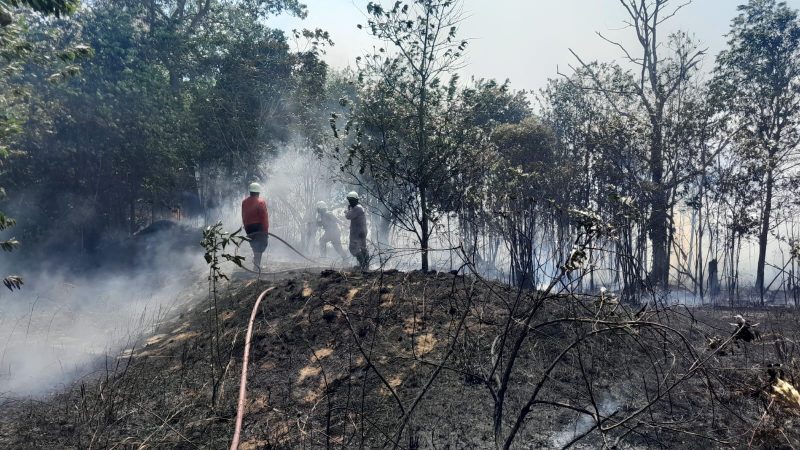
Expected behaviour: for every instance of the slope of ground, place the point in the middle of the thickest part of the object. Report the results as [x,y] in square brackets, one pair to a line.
[417,360]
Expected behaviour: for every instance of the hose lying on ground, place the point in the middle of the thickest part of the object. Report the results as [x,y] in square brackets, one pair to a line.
[243,382]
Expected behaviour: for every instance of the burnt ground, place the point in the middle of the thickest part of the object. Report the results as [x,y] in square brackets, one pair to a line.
[391,359]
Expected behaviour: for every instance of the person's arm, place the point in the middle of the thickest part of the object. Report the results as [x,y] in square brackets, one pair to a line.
[265,217]
[354,212]
[334,221]
[243,224]
[362,213]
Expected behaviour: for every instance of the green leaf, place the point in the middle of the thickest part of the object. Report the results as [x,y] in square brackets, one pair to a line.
[13,282]
[9,245]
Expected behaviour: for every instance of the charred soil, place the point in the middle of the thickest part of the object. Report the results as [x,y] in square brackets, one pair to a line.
[422,360]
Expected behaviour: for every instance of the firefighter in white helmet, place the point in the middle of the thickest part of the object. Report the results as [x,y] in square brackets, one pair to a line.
[331,233]
[255,219]
[358,230]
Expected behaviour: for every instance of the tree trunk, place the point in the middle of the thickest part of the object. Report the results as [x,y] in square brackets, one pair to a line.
[132,213]
[700,275]
[425,235]
[732,268]
[659,219]
[764,235]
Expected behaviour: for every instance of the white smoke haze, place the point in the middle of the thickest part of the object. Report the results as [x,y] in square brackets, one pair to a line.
[296,180]
[53,330]
[59,325]
[583,423]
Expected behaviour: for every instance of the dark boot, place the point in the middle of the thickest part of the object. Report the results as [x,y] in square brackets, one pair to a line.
[363,260]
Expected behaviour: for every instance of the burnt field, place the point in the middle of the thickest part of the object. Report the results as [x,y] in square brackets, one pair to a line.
[413,360]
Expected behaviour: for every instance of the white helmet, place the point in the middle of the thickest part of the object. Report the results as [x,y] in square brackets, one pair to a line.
[353,195]
[322,205]
[255,187]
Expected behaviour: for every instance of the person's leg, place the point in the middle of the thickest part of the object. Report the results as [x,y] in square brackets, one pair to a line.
[355,250]
[256,253]
[258,242]
[363,259]
[323,246]
[337,246]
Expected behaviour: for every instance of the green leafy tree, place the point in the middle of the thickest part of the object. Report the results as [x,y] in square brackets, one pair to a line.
[15,50]
[757,83]
[180,95]
[520,192]
[108,144]
[601,155]
[493,103]
[247,112]
[407,143]
[47,7]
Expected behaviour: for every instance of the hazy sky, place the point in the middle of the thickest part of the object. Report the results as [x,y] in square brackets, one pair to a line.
[525,40]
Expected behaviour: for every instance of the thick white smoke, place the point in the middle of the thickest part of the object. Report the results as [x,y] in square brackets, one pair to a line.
[59,325]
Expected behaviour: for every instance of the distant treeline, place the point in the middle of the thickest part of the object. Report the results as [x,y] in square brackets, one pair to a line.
[128,109]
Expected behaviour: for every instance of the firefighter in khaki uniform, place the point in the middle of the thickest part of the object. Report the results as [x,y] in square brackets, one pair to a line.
[358,230]
[330,225]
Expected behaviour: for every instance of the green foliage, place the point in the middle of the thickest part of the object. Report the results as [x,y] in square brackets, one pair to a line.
[6,222]
[526,144]
[526,173]
[756,87]
[9,245]
[16,50]
[590,226]
[757,80]
[178,96]
[494,103]
[48,7]
[215,242]
[13,282]
[409,140]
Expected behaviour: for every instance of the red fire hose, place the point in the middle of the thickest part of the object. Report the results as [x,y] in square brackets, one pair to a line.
[243,382]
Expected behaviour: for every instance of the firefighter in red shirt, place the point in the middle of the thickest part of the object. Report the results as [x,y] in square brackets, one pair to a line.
[255,219]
